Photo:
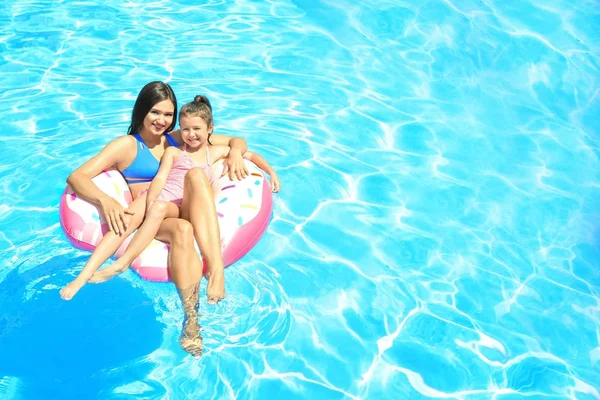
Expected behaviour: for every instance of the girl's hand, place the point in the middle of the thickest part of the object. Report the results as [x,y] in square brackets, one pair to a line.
[234,164]
[275,185]
[114,214]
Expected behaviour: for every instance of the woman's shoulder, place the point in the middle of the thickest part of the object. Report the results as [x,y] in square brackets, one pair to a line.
[125,142]
[118,152]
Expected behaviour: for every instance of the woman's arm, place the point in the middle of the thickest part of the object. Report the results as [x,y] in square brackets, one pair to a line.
[235,143]
[234,164]
[265,166]
[158,183]
[218,152]
[80,181]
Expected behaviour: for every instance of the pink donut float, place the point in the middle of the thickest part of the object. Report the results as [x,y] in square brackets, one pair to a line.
[243,209]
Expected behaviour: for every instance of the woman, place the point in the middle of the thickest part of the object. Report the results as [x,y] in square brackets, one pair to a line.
[137,157]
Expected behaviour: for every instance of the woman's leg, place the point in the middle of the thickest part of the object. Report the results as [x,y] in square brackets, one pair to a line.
[198,207]
[159,210]
[185,268]
[106,248]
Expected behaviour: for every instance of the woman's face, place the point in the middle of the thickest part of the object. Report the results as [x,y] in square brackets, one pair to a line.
[159,118]
[194,130]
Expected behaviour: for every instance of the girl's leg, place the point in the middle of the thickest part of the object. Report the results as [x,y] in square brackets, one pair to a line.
[185,268]
[198,207]
[159,210]
[106,248]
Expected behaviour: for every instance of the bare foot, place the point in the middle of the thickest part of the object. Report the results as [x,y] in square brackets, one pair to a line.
[215,291]
[191,340]
[71,289]
[107,273]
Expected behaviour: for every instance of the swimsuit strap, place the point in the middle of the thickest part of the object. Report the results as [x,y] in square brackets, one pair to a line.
[193,162]
[139,139]
[171,140]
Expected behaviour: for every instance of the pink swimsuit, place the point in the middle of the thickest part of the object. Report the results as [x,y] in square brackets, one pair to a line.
[173,190]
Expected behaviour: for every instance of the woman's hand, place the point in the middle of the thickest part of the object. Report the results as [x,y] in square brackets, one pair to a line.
[114,213]
[235,166]
[275,185]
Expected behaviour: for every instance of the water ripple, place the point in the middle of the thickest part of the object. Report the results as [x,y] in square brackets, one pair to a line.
[436,235]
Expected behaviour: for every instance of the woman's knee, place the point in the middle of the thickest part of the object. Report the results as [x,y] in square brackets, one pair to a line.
[196,178]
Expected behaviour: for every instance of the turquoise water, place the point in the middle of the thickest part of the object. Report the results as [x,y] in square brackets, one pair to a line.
[436,233]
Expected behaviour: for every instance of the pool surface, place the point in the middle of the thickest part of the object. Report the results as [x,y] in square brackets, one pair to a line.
[436,235]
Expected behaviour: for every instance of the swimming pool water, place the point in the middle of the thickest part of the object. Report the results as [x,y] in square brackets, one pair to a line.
[436,233]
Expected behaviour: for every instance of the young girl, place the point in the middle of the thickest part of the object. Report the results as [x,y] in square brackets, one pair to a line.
[164,198]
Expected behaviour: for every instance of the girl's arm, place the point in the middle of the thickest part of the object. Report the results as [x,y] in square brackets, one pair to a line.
[80,181]
[158,183]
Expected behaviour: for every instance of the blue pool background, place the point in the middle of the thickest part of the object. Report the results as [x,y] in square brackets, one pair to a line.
[437,230]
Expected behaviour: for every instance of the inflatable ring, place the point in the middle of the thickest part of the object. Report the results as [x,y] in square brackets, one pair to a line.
[243,210]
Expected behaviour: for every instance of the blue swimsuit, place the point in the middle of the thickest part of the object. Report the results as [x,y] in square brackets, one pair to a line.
[144,167]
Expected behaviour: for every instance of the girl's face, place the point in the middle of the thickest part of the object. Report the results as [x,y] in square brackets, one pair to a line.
[194,130]
[159,118]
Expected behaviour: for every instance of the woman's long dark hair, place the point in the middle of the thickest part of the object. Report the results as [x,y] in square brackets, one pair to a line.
[150,95]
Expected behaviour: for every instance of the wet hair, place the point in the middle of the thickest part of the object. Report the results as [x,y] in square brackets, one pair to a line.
[150,95]
[200,107]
